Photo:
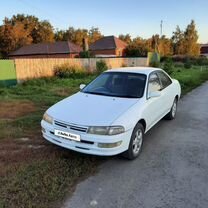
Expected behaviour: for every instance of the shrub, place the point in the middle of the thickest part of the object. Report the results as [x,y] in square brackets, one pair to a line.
[178,64]
[101,66]
[165,58]
[202,61]
[187,63]
[168,66]
[155,64]
[136,51]
[194,60]
[123,65]
[69,71]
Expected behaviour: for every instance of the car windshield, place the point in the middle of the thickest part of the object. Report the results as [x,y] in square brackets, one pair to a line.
[118,84]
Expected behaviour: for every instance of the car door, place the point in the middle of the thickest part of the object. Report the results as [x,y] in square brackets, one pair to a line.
[154,105]
[166,90]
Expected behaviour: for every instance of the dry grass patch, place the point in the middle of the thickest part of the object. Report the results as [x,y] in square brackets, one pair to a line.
[15,109]
[64,92]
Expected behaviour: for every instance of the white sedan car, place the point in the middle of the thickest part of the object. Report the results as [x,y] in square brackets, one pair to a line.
[110,115]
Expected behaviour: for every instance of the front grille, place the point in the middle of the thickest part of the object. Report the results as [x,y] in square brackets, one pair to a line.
[72,127]
[60,124]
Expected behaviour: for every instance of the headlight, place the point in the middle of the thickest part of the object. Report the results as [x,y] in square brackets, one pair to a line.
[47,118]
[113,130]
[106,130]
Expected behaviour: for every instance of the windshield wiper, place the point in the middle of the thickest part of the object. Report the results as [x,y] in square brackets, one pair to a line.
[126,96]
[96,93]
[111,95]
[130,96]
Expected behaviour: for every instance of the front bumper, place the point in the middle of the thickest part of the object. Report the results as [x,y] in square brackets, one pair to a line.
[89,142]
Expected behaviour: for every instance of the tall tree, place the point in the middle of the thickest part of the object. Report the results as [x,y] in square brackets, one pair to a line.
[126,38]
[21,36]
[94,34]
[7,42]
[76,35]
[64,35]
[60,35]
[185,43]
[42,32]
[13,37]
[191,37]
[70,34]
[22,30]
[79,35]
[137,48]
[178,41]
[155,42]
[165,46]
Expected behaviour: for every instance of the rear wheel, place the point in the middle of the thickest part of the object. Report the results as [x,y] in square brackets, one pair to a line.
[135,144]
[172,114]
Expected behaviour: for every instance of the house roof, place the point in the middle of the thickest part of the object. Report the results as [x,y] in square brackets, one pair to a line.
[60,47]
[107,43]
[204,45]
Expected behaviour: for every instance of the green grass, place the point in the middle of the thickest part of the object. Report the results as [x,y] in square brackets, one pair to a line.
[190,78]
[41,177]
[45,181]
[44,91]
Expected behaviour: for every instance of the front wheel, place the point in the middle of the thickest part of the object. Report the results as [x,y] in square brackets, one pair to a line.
[135,144]
[172,114]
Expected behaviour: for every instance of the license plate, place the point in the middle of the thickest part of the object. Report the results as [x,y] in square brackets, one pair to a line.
[67,135]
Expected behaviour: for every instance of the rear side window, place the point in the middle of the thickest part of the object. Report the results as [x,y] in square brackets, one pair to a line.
[165,80]
[154,83]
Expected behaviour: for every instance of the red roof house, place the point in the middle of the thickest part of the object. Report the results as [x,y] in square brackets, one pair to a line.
[108,46]
[204,50]
[61,49]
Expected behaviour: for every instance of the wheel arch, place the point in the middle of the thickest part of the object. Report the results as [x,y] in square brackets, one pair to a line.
[143,122]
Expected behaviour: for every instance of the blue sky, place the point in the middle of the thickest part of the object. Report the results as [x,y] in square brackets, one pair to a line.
[113,17]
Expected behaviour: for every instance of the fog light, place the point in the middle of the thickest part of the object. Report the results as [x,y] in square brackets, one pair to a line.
[43,130]
[109,145]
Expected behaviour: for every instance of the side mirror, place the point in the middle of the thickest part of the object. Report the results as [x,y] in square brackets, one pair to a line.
[82,86]
[154,94]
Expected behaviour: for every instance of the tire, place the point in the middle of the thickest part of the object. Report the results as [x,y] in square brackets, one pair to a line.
[172,114]
[135,144]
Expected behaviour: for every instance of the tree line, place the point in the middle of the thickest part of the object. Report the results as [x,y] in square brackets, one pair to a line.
[20,30]
[181,43]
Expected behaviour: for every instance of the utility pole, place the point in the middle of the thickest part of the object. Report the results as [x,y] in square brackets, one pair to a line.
[161,28]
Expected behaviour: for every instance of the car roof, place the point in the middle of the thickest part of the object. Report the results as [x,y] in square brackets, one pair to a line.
[140,70]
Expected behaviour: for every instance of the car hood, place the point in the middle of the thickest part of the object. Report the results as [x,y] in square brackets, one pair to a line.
[90,110]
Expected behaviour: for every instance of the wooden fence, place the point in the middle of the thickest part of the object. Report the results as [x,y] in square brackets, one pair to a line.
[44,67]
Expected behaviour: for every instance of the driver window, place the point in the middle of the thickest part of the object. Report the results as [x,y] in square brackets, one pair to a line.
[154,83]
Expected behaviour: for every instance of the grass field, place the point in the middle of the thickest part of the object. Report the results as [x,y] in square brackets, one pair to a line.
[34,173]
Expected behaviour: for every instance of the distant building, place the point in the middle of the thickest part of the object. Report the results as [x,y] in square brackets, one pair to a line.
[108,46]
[204,50]
[61,49]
